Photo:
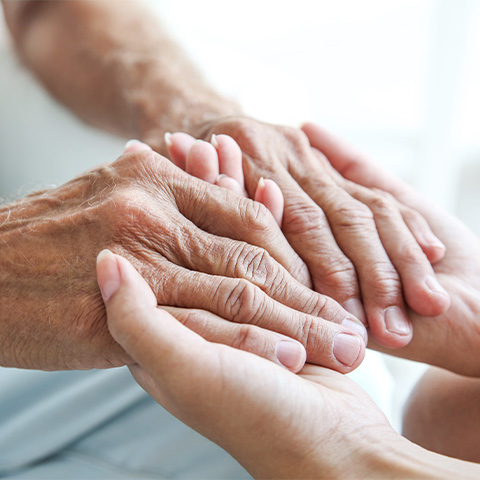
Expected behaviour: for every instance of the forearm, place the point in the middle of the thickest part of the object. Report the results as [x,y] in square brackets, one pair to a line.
[113,64]
[403,459]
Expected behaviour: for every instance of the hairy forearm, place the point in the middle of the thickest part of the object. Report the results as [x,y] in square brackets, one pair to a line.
[113,64]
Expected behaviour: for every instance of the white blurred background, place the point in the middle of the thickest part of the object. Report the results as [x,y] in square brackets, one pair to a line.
[401,79]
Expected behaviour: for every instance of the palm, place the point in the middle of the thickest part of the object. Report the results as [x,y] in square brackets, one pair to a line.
[452,339]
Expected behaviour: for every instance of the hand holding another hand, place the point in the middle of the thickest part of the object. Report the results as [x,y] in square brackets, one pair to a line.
[202,249]
[360,247]
[318,424]
[450,340]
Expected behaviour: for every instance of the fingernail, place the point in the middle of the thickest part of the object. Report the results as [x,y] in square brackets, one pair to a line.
[346,348]
[290,354]
[168,139]
[356,327]
[434,286]
[396,322]
[110,282]
[214,140]
[434,241]
[136,145]
[261,183]
[355,307]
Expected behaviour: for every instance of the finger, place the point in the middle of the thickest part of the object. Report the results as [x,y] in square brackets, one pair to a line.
[202,161]
[269,194]
[330,344]
[229,156]
[433,248]
[152,336]
[358,169]
[222,213]
[422,291]
[134,145]
[178,145]
[274,347]
[230,184]
[356,234]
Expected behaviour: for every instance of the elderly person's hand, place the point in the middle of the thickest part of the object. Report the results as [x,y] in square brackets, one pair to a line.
[318,424]
[358,246]
[450,340]
[199,246]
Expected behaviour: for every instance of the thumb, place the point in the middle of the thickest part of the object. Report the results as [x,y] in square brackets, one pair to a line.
[152,337]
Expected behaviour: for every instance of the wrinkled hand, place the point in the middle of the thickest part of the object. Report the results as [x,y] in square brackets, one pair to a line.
[199,247]
[353,245]
[318,424]
[450,340]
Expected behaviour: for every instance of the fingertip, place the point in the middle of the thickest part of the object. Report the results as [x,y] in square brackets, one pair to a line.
[291,354]
[108,275]
[202,161]
[229,157]
[269,194]
[435,253]
[348,350]
[230,184]
[214,141]
[178,145]
[396,328]
[134,145]
[168,139]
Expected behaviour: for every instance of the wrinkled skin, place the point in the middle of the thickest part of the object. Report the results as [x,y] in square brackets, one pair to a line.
[450,340]
[353,243]
[187,238]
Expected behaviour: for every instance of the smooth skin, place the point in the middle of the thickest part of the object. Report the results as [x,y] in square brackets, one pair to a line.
[114,66]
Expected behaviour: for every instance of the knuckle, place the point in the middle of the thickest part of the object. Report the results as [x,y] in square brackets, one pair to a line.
[412,216]
[410,253]
[323,307]
[244,302]
[311,334]
[340,275]
[382,206]
[256,216]
[249,338]
[126,209]
[194,319]
[299,270]
[256,265]
[385,281]
[304,218]
[351,214]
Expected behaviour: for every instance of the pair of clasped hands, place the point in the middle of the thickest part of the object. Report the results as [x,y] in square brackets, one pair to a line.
[376,250]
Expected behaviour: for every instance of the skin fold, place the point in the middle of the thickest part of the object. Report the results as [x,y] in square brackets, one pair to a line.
[318,423]
[114,65]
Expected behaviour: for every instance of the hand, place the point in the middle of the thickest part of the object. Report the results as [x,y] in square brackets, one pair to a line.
[354,252]
[450,340]
[198,246]
[319,424]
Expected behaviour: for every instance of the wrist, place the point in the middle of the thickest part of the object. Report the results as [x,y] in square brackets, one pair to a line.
[400,458]
[158,104]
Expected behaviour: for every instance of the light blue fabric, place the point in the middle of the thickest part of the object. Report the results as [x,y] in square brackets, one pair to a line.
[98,425]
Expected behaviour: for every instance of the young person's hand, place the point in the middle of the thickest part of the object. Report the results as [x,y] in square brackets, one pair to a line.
[317,424]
